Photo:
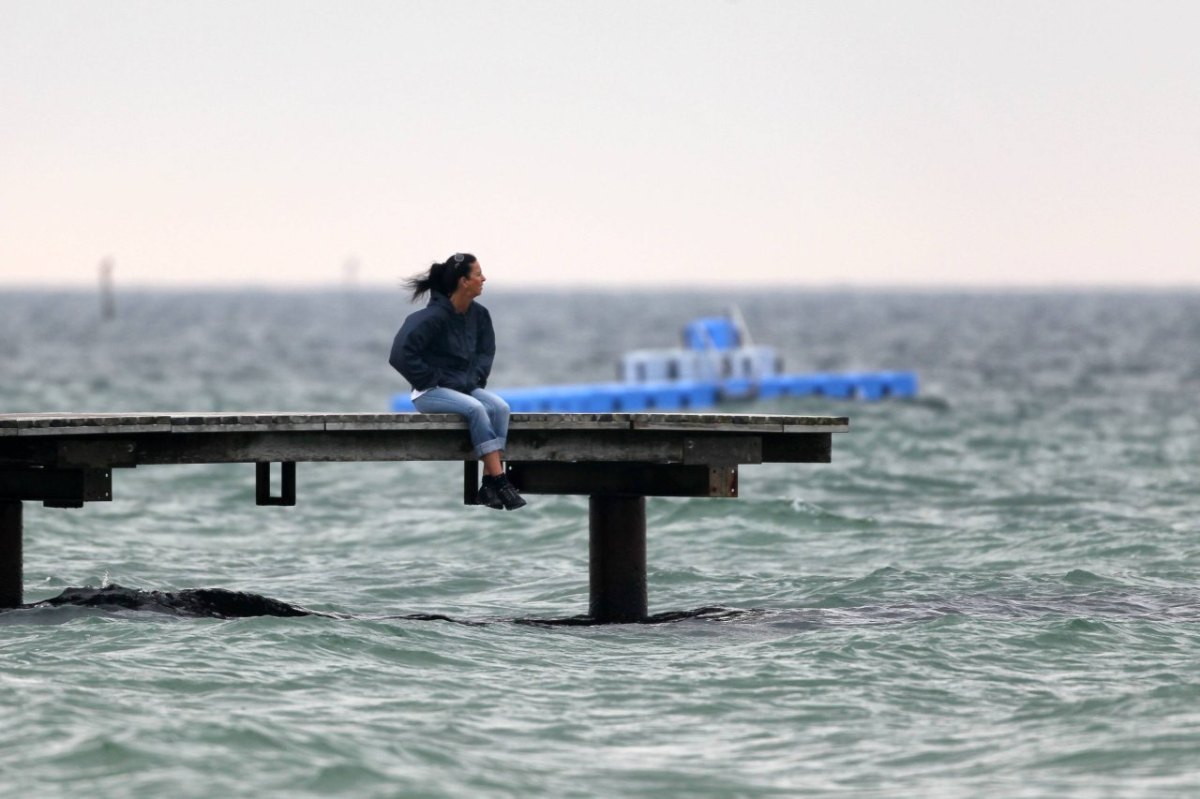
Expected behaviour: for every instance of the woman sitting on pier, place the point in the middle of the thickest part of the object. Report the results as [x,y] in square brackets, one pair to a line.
[445,351]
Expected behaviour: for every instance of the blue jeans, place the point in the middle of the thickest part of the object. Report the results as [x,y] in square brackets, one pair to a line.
[486,413]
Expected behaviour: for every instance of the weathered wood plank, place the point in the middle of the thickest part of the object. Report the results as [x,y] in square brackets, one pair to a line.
[98,440]
[398,421]
[843,427]
[317,446]
[569,421]
[709,427]
[47,420]
[370,421]
[247,422]
[91,419]
[243,427]
[85,430]
[142,422]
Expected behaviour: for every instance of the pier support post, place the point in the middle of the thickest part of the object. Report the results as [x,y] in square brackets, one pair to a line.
[11,559]
[617,530]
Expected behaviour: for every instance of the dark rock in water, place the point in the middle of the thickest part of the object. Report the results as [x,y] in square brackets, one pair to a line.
[709,613]
[216,603]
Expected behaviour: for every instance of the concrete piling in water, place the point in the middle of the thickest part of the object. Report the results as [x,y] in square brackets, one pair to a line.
[617,556]
[11,556]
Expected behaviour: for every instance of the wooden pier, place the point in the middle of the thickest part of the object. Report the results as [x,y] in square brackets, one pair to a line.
[65,460]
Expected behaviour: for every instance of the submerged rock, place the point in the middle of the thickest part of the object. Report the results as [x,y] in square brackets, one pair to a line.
[215,603]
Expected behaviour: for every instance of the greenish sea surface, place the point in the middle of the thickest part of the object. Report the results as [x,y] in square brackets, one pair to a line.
[992,591]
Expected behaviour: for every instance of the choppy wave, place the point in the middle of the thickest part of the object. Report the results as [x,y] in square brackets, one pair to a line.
[990,591]
[835,605]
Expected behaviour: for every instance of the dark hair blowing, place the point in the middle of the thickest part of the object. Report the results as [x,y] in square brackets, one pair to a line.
[442,278]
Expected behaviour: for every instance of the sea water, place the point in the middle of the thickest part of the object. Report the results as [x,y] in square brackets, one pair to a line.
[992,590]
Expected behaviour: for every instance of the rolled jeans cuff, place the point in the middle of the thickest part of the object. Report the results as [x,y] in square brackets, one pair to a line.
[491,445]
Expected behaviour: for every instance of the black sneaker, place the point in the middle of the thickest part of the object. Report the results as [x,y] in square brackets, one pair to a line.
[489,497]
[509,497]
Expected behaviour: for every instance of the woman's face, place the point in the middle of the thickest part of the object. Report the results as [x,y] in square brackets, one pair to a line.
[473,283]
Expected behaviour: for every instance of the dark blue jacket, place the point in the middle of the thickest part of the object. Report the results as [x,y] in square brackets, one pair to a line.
[438,346]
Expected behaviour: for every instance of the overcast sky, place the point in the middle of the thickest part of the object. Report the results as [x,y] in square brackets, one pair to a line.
[686,142]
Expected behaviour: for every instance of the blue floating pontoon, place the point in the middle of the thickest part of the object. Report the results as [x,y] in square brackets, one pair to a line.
[717,363]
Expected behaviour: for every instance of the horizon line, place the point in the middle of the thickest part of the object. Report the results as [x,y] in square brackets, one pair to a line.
[609,288]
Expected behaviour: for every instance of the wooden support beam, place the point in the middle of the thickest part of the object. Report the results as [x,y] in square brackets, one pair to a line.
[792,448]
[628,479]
[60,488]
[356,445]
[11,558]
[722,449]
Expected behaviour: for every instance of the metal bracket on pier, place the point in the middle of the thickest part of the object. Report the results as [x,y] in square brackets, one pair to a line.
[287,484]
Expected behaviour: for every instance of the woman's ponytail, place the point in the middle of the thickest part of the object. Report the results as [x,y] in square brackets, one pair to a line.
[441,277]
